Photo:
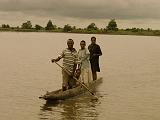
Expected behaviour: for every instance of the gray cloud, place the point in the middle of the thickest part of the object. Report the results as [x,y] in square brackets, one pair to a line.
[95,9]
[136,13]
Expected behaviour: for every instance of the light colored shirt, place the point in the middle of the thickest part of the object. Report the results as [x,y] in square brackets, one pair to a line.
[69,59]
[83,58]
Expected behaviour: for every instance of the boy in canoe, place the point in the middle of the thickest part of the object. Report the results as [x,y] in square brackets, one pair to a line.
[69,56]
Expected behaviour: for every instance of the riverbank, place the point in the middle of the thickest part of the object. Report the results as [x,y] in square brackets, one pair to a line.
[135,31]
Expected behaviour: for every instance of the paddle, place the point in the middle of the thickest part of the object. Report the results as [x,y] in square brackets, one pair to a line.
[78,81]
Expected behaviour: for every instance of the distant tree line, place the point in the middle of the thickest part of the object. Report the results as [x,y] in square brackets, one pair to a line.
[5,26]
[111,28]
[112,25]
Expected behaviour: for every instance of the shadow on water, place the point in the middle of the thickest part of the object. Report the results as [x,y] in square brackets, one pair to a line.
[77,108]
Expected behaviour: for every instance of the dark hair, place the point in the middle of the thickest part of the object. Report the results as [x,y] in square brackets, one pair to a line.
[83,41]
[70,40]
[93,37]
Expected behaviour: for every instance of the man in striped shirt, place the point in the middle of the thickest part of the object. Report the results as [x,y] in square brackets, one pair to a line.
[69,56]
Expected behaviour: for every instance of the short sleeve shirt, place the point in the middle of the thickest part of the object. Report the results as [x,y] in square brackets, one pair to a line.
[69,59]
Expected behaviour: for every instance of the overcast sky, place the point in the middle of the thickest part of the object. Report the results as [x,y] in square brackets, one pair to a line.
[128,13]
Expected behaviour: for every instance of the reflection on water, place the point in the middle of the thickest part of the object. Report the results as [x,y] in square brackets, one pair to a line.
[81,107]
[77,108]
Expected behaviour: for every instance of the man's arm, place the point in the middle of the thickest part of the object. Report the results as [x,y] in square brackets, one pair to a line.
[55,60]
[74,69]
[59,57]
[98,51]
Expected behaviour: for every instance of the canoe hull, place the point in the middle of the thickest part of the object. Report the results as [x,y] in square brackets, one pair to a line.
[61,95]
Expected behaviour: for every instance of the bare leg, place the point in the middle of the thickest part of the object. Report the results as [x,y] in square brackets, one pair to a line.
[94,75]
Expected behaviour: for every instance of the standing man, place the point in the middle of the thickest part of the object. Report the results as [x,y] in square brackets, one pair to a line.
[69,56]
[95,52]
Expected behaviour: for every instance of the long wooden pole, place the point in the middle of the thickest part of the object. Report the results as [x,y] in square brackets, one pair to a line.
[78,81]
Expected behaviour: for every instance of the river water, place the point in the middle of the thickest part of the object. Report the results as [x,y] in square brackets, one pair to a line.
[130,67]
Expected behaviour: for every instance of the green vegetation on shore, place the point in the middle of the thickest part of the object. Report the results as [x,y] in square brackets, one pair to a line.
[111,28]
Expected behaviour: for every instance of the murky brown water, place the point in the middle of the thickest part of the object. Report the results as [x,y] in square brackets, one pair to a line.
[130,67]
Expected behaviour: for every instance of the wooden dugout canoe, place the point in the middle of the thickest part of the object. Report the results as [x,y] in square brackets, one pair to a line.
[61,95]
